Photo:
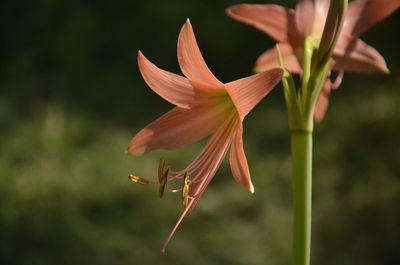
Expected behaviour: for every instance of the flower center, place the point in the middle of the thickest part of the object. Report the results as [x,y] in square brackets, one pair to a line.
[196,176]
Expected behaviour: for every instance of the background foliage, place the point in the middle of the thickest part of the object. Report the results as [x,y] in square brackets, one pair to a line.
[71,97]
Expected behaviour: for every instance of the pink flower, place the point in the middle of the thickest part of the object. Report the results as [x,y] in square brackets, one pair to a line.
[204,106]
[290,27]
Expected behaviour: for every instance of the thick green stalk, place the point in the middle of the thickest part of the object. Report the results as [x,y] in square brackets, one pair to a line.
[301,127]
[301,142]
[316,62]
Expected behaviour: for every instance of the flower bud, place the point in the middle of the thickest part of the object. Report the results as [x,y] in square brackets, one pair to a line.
[331,33]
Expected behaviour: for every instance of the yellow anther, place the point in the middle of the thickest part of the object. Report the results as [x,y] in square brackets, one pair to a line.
[163,181]
[161,166]
[185,190]
[137,179]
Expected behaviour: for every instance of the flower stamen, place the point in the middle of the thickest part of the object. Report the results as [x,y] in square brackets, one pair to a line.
[137,179]
[163,180]
[185,190]
[161,166]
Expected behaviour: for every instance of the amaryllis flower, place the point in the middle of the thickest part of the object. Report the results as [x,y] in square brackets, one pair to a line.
[204,106]
[290,28]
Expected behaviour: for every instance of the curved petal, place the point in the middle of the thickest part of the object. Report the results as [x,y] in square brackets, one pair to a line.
[191,61]
[274,20]
[269,59]
[207,164]
[321,13]
[322,101]
[238,161]
[362,14]
[310,16]
[304,16]
[354,55]
[179,127]
[173,88]
[247,92]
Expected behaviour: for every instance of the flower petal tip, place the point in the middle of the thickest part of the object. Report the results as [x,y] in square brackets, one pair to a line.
[386,71]
[236,10]
[256,70]
[130,151]
[252,189]
[134,150]
[382,69]
[187,23]
[140,55]
[230,10]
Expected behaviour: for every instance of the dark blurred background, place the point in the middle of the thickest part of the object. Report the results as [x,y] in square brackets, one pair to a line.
[71,98]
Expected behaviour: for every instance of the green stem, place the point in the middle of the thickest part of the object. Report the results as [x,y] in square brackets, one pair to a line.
[302,163]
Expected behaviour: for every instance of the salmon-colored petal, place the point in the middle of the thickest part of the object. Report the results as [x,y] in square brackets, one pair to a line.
[179,127]
[362,14]
[211,158]
[247,92]
[321,12]
[304,16]
[323,99]
[173,88]
[354,55]
[310,16]
[191,61]
[274,20]
[269,59]
[206,164]
[238,161]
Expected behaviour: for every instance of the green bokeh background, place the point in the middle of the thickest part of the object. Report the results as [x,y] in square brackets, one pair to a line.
[71,98]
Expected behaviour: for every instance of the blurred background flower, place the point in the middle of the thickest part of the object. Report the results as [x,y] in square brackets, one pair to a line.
[69,91]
